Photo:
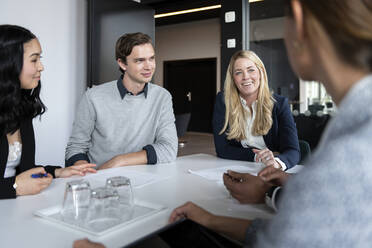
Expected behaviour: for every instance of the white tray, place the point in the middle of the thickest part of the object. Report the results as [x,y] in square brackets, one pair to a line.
[142,210]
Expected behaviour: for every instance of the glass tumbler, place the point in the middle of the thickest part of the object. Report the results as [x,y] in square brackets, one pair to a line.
[76,202]
[104,211]
[124,188]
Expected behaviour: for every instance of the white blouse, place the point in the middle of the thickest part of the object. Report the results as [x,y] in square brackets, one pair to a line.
[14,159]
[251,140]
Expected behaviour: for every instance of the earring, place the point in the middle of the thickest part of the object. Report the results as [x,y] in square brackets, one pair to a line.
[32,91]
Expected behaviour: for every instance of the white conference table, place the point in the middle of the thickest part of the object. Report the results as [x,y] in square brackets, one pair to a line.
[19,227]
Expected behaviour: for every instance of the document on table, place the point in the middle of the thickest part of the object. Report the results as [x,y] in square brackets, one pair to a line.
[215,174]
[137,179]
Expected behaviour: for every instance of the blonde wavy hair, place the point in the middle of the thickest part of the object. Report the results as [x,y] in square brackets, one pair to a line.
[236,115]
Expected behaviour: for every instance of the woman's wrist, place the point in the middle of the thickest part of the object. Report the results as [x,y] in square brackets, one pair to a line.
[15,186]
[209,220]
[57,172]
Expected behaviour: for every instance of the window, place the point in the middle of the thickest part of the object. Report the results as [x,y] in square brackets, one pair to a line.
[314,98]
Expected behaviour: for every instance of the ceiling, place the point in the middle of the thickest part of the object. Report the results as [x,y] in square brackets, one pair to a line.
[258,10]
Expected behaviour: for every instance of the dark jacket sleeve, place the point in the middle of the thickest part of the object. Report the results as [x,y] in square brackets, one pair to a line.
[289,148]
[228,149]
[6,184]
[51,169]
[6,188]
[27,160]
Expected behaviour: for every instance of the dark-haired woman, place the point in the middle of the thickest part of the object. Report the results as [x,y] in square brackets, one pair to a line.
[20,71]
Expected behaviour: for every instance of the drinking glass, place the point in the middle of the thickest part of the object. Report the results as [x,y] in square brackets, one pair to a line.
[124,188]
[104,211]
[76,202]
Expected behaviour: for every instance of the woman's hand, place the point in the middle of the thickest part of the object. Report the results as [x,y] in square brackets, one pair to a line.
[245,187]
[274,176]
[86,243]
[26,185]
[193,212]
[267,157]
[80,170]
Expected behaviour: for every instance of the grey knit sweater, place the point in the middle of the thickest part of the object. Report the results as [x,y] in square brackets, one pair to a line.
[108,123]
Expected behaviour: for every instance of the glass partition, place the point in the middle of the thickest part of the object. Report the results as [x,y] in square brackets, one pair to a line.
[266,35]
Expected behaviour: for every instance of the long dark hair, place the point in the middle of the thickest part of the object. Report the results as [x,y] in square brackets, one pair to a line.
[16,104]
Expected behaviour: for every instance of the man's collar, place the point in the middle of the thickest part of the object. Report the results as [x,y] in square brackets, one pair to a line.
[123,91]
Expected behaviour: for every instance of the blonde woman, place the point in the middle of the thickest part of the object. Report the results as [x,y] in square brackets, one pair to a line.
[249,122]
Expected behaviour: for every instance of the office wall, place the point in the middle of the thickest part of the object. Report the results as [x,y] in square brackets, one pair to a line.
[266,29]
[191,40]
[201,39]
[61,28]
[110,19]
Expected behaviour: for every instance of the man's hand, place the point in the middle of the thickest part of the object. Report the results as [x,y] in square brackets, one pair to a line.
[133,158]
[232,227]
[193,212]
[273,176]
[245,187]
[116,161]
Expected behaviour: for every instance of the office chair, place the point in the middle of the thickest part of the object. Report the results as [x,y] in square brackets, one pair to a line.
[305,150]
[182,123]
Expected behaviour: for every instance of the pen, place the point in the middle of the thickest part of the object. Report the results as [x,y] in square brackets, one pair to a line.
[39,175]
[238,180]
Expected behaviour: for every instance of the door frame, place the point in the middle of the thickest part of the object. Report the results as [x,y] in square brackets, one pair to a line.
[212,61]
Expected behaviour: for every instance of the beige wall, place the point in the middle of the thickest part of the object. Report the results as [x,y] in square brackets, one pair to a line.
[202,39]
[61,30]
[192,40]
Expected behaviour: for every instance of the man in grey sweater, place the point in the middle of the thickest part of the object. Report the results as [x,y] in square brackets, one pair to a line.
[128,121]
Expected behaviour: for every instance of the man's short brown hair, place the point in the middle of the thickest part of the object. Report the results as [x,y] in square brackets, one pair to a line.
[126,42]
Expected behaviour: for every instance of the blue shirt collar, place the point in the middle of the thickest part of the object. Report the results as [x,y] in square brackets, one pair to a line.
[123,91]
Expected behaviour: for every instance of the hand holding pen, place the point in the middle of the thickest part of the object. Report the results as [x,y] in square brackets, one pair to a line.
[266,157]
[32,181]
[245,187]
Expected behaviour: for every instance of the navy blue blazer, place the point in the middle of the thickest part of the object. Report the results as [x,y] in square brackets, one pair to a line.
[282,136]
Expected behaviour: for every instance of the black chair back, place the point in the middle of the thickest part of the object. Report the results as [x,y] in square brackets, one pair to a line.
[305,150]
[182,123]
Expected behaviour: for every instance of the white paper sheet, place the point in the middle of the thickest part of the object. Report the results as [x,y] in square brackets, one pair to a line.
[215,174]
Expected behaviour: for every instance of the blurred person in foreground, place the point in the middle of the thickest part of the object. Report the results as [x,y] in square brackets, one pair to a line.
[327,203]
